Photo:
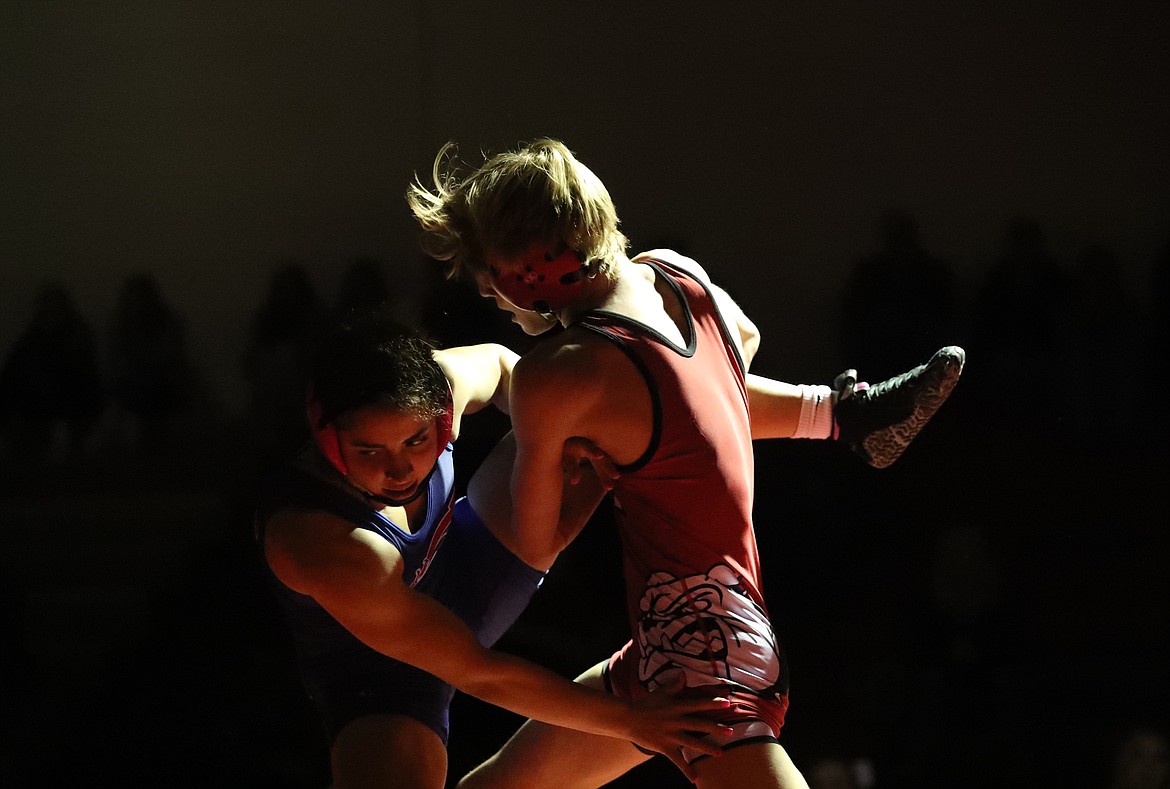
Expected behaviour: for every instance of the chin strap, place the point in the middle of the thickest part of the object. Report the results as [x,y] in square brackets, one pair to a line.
[386,501]
[326,438]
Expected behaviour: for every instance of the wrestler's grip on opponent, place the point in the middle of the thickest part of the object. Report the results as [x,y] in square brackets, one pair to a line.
[666,700]
[581,453]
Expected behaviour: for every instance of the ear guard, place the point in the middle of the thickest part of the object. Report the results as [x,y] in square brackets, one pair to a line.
[324,433]
[327,440]
[545,283]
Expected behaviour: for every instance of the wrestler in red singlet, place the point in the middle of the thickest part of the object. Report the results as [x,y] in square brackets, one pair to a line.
[684,512]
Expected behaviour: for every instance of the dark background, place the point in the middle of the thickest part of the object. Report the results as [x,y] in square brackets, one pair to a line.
[990,611]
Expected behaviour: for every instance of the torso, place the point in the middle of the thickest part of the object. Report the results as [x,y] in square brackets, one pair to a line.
[410,517]
[310,485]
[684,498]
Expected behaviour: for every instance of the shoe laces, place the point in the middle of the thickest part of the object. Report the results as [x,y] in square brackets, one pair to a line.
[846,385]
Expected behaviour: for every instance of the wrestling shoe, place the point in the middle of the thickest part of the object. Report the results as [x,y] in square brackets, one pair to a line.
[878,422]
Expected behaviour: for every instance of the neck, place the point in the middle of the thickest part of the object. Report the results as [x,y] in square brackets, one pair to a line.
[597,292]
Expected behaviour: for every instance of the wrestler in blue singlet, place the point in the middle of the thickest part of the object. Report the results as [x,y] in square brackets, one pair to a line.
[451,557]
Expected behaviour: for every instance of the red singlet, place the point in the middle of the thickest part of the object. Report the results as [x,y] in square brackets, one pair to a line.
[684,511]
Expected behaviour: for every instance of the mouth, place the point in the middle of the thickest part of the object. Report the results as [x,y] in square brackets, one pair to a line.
[400,493]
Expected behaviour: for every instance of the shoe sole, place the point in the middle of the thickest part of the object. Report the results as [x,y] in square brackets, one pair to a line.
[882,447]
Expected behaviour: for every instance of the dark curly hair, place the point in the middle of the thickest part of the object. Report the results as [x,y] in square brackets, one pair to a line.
[368,358]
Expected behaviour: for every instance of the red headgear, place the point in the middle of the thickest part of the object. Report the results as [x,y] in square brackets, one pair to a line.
[327,440]
[544,283]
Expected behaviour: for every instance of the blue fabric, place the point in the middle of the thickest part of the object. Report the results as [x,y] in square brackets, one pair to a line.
[452,557]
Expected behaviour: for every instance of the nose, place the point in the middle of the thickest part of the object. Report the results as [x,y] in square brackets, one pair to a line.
[398,468]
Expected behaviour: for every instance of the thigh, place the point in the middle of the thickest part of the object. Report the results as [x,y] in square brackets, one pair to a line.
[765,765]
[543,755]
[381,751]
[477,578]
[367,683]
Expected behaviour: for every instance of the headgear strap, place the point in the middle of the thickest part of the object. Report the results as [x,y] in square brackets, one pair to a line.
[325,432]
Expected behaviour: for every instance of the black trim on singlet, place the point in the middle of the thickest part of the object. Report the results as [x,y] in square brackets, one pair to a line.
[728,337]
[651,387]
[691,337]
[664,269]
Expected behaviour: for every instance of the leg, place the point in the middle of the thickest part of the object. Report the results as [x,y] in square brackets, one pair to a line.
[757,765]
[543,755]
[380,751]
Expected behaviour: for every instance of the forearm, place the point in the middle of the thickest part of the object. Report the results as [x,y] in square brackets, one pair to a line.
[537,495]
[774,405]
[417,630]
[533,691]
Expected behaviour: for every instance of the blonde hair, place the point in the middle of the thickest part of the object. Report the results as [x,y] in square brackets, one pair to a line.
[539,193]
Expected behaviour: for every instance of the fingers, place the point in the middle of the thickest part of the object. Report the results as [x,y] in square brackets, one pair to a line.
[701,704]
[699,746]
[697,727]
[605,469]
[705,746]
[681,763]
[578,452]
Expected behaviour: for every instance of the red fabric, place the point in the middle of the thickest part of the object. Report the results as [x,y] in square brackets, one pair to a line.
[684,512]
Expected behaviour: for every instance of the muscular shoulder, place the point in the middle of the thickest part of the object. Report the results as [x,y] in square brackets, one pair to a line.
[576,357]
[309,550]
[467,365]
[564,377]
[745,333]
[689,265]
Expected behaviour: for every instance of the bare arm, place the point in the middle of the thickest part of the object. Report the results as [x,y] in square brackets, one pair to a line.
[549,396]
[738,322]
[479,375]
[357,578]
[742,327]
[774,405]
[587,475]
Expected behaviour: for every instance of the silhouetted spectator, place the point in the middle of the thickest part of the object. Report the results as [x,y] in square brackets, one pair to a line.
[275,364]
[1020,333]
[964,619]
[51,389]
[1101,341]
[363,284]
[898,302]
[153,382]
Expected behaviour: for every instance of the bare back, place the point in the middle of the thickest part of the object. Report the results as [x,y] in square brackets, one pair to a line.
[621,420]
[582,384]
